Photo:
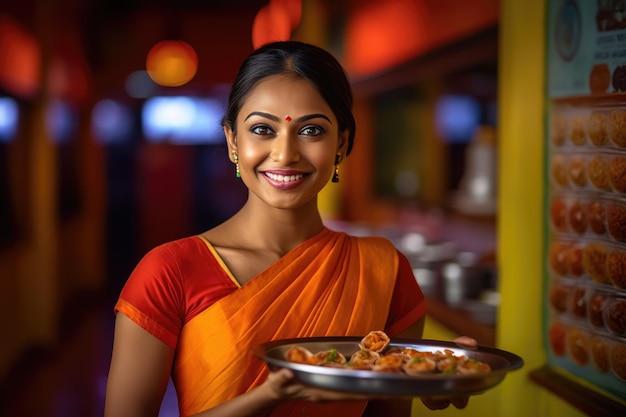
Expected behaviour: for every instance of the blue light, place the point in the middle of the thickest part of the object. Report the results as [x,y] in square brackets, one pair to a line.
[111,121]
[9,116]
[183,120]
[457,117]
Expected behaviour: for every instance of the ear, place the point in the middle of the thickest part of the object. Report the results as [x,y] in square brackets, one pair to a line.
[231,140]
[343,143]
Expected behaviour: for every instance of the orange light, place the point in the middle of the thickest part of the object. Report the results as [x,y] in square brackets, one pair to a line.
[271,23]
[172,63]
[20,55]
[293,9]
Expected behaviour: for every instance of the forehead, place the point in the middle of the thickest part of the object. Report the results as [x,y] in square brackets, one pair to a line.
[285,95]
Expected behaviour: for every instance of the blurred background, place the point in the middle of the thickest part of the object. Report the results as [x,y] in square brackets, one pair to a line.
[110,144]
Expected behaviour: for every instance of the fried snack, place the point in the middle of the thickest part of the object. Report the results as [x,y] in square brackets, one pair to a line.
[364,357]
[575,260]
[578,217]
[597,217]
[558,214]
[558,130]
[578,346]
[598,172]
[596,309]
[615,316]
[558,297]
[599,78]
[616,221]
[559,171]
[299,354]
[616,268]
[375,341]
[558,257]
[618,360]
[617,174]
[617,127]
[578,303]
[578,135]
[594,262]
[578,171]
[557,339]
[596,128]
[420,366]
[600,354]
[400,360]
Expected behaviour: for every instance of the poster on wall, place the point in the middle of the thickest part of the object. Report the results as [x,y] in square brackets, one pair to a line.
[585,227]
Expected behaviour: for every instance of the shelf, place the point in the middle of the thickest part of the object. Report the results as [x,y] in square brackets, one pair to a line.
[457,321]
[585,399]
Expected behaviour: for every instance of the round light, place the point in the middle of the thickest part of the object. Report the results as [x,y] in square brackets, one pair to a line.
[172,63]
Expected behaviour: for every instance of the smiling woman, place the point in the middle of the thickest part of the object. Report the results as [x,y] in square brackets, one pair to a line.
[195,308]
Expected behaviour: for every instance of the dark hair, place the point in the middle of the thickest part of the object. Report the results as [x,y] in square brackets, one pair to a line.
[302,59]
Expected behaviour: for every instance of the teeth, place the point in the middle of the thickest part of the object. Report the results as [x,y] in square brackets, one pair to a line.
[284,178]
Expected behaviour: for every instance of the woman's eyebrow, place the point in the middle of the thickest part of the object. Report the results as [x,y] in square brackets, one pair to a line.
[300,119]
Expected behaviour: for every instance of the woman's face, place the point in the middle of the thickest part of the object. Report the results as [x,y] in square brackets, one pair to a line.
[287,140]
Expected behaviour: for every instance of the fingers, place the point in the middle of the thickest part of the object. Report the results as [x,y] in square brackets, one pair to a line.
[466,341]
[439,403]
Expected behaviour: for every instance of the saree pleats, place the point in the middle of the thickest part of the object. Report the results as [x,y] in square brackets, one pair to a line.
[330,285]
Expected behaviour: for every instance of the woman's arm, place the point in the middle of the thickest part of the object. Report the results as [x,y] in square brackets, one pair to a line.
[139,372]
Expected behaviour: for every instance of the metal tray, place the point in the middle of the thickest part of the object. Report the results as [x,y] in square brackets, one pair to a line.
[370,382]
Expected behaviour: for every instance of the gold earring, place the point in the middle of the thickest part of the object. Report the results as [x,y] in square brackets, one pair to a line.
[336,174]
[236,161]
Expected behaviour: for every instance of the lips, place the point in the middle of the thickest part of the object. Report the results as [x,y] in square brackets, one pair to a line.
[284,180]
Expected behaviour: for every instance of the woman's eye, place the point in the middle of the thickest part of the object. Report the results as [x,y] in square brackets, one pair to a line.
[312,131]
[261,130]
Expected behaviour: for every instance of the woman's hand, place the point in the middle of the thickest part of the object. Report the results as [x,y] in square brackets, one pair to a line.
[439,403]
[284,386]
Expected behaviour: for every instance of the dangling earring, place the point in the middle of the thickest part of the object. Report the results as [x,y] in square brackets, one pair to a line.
[236,161]
[336,174]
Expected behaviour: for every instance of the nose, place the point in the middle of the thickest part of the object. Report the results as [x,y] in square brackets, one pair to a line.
[285,149]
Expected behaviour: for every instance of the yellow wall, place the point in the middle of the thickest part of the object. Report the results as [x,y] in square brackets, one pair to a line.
[521,118]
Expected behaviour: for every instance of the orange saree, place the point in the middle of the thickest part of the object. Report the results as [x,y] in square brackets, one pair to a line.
[330,285]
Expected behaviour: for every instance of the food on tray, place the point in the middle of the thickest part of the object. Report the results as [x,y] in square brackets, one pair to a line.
[618,360]
[597,217]
[558,257]
[405,360]
[616,268]
[596,309]
[578,346]
[594,262]
[596,128]
[600,354]
[598,172]
[616,220]
[615,315]
[619,78]
[577,171]
[578,135]
[617,127]
[376,341]
[578,217]
[558,213]
[617,174]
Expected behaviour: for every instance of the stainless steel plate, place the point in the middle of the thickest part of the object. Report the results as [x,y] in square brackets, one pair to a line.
[370,382]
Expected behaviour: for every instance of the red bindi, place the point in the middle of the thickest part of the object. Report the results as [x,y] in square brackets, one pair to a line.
[288,118]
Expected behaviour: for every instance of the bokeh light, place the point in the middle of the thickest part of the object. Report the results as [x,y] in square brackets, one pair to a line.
[172,63]
[272,23]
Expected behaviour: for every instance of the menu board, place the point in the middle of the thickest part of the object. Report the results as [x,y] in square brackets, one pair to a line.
[585,227]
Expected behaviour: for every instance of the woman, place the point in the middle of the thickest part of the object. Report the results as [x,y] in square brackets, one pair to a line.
[194,308]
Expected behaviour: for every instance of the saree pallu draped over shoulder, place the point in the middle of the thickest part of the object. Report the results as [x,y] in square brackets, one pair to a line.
[330,285]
